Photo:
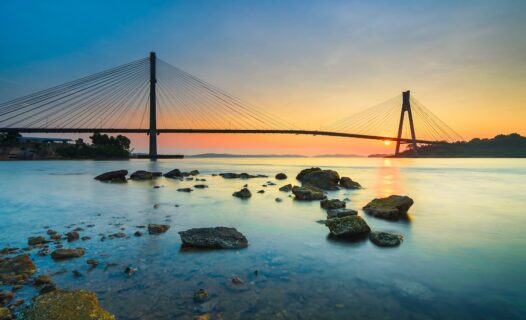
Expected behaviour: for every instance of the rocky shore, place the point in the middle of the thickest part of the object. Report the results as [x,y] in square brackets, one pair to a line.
[17,269]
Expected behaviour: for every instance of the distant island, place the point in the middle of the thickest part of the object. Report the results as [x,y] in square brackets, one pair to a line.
[501,146]
[229,155]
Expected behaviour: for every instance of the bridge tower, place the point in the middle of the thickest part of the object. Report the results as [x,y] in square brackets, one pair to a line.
[406,107]
[153,109]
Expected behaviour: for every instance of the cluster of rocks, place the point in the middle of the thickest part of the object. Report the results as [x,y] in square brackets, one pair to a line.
[325,179]
[341,221]
[119,176]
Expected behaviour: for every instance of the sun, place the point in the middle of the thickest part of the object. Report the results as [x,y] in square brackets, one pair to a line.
[387,142]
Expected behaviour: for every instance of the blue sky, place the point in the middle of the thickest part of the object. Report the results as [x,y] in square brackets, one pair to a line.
[458,57]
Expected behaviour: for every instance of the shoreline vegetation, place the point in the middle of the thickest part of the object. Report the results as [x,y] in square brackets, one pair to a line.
[501,146]
[104,147]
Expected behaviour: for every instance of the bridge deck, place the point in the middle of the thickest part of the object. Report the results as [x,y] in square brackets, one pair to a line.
[233,131]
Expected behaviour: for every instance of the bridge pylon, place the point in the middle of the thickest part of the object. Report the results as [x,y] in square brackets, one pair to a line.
[153,109]
[406,107]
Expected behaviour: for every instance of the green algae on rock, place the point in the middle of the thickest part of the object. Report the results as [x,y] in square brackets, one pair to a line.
[16,269]
[347,227]
[66,305]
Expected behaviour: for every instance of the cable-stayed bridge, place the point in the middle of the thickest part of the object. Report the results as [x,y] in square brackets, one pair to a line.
[152,96]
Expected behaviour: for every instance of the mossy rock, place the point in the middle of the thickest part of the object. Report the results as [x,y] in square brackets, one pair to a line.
[67,305]
[393,207]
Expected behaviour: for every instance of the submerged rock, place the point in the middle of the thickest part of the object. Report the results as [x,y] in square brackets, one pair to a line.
[33,241]
[157,228]
[261,191]
[113,176]
[243,193]
[385,239]
[144,175]
[340,213]
[16,269]
[332,204]
[72,236]
[281,176]
[66,305]
[348,183]
[42,279]
[200,186]
[185,190]
[213,238]
[231,175]
[286,188]
[393,207]
[61,254]
[347,227]
[308,193]
[323,179]
[200,295]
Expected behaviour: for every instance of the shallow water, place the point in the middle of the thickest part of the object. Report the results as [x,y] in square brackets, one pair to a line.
[463,256]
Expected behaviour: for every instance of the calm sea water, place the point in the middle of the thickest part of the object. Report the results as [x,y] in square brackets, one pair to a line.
[463,257]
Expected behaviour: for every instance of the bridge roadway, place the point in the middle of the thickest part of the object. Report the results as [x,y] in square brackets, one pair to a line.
[238,131]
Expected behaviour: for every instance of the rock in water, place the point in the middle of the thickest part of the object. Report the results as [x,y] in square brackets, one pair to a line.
[72,236]
[340,213]
[347,227]
[214,238]
[200,295]
[185,190]
[66,305]
[243,193]
[281,176]
[33,241]
[286,188]
[144,175]
[308,193]
[113,176]
[305,171]
[386,239]
[393,207]
[60,254]
[332,204]
[176,173]
[16,269]
[157,228]
[348,183]
[200,186]
[324,179]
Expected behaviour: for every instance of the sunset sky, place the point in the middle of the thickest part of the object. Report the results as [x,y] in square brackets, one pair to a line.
[309,62]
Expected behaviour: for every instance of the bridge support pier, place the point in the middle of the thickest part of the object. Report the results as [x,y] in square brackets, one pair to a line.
[153,109]
[406,107]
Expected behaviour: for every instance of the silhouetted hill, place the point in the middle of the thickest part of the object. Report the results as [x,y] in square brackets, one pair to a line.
[502,146]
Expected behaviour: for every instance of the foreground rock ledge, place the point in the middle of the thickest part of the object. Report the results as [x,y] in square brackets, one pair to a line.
[67,305]
[213,238]
[393,207]
[157,228]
